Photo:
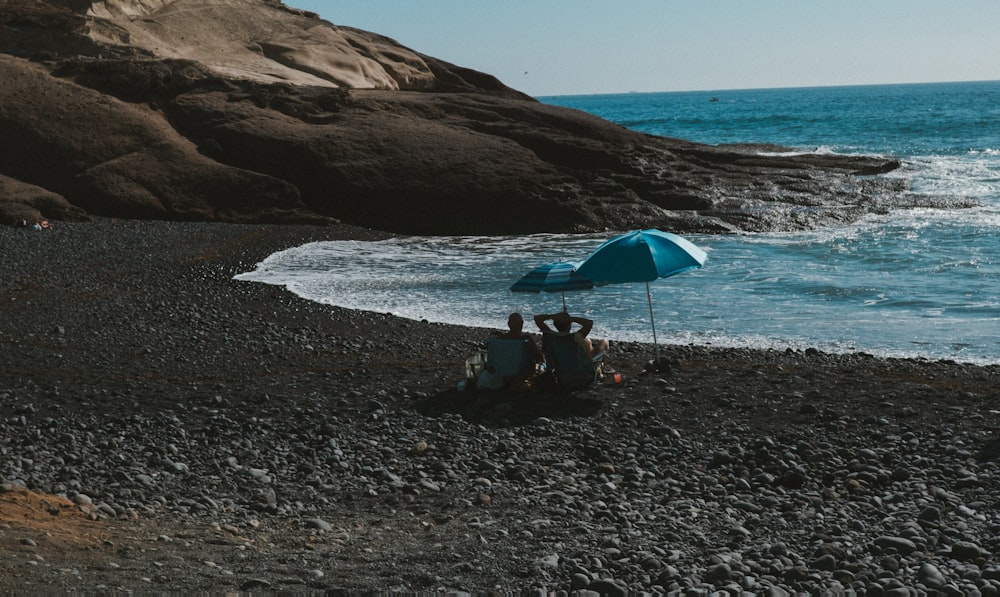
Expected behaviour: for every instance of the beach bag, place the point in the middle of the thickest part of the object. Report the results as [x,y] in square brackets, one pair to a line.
[474,366]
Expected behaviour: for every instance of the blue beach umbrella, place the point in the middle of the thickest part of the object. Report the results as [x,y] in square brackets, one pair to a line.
[552,277]
[642,256]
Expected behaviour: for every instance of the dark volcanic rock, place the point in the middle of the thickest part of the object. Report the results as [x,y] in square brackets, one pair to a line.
[167,429]
[241,111]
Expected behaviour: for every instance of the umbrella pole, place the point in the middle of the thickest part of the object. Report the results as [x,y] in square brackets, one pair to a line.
[564,302]
[656,346]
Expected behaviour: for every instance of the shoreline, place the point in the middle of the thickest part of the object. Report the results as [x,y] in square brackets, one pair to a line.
[298,446]
[482,305]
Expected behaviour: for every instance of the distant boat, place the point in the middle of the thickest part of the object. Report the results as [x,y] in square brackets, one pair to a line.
[714,99]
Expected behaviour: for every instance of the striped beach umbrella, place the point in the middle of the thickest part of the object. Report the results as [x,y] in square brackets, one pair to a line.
[552,277]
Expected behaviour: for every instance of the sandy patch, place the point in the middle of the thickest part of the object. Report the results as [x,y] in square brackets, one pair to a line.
[32,520]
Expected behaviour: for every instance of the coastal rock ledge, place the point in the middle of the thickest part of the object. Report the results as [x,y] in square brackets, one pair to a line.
[254,111]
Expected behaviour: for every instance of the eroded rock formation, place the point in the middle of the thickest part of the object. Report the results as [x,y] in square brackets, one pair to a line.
[250,110]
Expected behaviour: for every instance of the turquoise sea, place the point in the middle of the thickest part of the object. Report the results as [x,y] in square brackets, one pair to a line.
[918,283]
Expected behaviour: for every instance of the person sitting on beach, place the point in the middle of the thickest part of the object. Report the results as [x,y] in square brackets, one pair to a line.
[505,368]
[515,331]
[563,323]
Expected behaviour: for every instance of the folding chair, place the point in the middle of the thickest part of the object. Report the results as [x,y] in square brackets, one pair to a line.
[508,360]
[569,362]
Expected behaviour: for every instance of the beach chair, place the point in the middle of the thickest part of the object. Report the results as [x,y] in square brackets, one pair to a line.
[569,363]
[507,360]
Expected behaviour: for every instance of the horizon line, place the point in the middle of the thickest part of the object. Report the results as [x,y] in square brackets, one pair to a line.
[724,90]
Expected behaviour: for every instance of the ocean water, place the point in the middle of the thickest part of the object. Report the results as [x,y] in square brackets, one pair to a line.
[916,283]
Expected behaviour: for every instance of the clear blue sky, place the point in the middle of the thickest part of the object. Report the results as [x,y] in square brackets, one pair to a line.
[565,47]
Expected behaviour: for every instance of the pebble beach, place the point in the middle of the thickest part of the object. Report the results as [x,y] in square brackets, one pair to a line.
[180,431]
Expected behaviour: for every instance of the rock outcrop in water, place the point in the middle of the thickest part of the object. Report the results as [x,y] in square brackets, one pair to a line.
[252,111]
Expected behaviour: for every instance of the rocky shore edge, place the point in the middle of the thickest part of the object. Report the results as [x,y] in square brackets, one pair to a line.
[249,111]
[166,428]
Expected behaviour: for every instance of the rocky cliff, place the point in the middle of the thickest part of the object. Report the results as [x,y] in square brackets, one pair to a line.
[253,111]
